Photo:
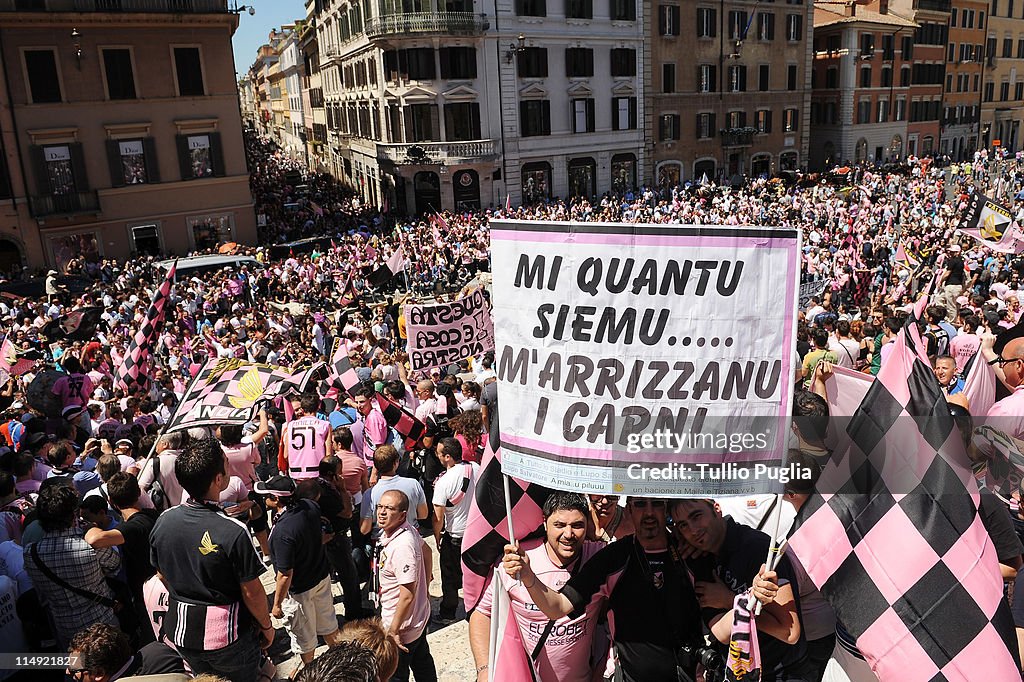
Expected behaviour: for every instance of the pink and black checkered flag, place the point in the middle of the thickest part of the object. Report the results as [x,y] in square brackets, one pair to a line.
[403,421]
[343,376]
[134,371]
[487,528]
[893,538]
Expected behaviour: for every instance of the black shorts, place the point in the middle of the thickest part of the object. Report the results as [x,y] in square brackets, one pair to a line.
[258,524]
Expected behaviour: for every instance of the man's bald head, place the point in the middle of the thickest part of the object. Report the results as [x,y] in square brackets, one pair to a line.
[1013,370]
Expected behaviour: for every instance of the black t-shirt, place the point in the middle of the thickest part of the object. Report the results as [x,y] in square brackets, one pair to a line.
[331,506]
[203,555]
[135,551]
[737,564]
[999,524]
[654,606]
[296,544]
[955,266]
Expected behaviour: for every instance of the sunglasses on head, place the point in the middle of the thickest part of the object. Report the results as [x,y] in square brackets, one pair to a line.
[655,504]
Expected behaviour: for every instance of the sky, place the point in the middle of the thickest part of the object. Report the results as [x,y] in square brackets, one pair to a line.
[253,30]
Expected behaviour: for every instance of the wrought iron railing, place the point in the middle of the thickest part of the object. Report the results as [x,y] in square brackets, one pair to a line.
[420,23]
[437,152]
[64,204]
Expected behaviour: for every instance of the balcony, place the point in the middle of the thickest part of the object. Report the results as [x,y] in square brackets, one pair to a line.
[331,51]
[64,204]
[426,23]
[426,153]
[738,137]
[148,6]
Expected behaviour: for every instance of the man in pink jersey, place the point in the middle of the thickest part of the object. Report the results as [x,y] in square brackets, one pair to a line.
[305,440]
[566,654]
[374,431]
[75,387]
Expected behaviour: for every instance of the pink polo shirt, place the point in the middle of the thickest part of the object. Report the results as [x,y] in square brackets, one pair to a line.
[401,563]
[1007,415]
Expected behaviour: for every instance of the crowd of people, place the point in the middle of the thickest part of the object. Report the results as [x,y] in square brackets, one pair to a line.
[148,552]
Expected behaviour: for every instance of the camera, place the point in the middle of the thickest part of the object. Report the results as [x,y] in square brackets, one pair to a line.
[710,659]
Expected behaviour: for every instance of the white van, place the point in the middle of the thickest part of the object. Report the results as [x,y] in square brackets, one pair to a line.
[198,265]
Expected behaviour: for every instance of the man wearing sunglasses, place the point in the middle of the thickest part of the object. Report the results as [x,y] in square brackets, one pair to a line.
[1007,415]
[641,579]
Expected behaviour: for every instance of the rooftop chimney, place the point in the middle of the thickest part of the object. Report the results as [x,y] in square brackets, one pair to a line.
[850,9]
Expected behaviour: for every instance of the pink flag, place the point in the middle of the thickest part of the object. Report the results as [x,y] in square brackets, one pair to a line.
[11,363]
[508,203]
[398,261]
[979,385]
[371,252]
[508,656]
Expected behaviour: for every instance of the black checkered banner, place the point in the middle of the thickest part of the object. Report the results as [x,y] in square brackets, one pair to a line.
[229,391]
[133,374]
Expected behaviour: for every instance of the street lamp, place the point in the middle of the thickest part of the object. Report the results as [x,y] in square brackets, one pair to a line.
[76,36]
[515,48]
[238,9]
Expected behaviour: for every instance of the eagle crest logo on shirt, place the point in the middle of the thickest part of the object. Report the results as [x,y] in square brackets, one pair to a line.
[658,579]
[250,387]
[206,545]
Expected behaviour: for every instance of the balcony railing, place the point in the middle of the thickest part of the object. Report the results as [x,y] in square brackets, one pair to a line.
[437,152]
[65,204]
[151,6]
[738,137]
[426,23]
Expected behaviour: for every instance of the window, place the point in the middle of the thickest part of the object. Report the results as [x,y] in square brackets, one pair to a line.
[421,123]
[737,78]
[536,178]
[43,82]
[117,65]
[531,8]
[867,45]
[794,27]
[623,10]
[1018,90]
[132,162]
[623,172]
[1020,48]
[457,62]
[189,71]
[623,62]
[736,119]
[887,77]
[888,50]
[904,76]
[707,22]
[791,77]
[865,76]
[737,25]
[951,50]
[765,26]
[1004,92]
[1007,47]
[668,127]
[146,239]
[907,51]
[882,111]
[990,89]
[60,169]
[668,78]
[623,113]
[705,126]
[949,82]
[462,121]
[864,111]
[582,177]
[832,78]
[579,9]
[583,115]
[200,156]
[990,50]
[901,110]
[668,20]
[420,63]
[789,120]
[763,79]
[707,78]
[764,120]
[535,117]
[533,62]
[579,62]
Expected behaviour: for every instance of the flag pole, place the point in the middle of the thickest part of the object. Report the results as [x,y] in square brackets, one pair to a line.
[508,510]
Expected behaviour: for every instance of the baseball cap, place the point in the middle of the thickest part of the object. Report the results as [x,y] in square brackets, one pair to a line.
[278,486]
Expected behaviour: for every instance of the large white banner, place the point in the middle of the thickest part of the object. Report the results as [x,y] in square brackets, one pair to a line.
[443,333]
[645,359]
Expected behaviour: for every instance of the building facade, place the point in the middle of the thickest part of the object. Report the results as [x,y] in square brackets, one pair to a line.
[121,131]
[928,70]
[863,75]
[1003,90]
[293,136]
[730,88]
[965,61]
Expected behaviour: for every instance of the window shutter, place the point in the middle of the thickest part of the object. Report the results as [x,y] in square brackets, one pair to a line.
[444,57]
[471,59]
[662,19]
[674,15]
[78,167]
[114,161]
[589,61]
[184,159]
[403,64]
[743,79]
[570,62]
[615,113]
[152,167]
[217,155]
[713,125]
[545,111]
[543,54]
[542,8]
[474,112]
[38,159]
[435,123]
[591,127]
[588,9]
[632,113]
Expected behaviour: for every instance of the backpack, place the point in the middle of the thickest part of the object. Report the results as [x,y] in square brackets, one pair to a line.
[938,341]
[157,494]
